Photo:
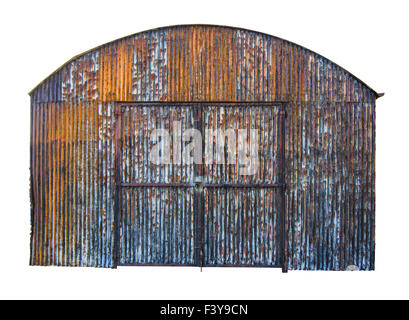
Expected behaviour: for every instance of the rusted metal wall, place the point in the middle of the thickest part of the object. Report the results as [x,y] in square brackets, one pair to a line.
[330,139]
[72,184]
[201,63]
[330,157]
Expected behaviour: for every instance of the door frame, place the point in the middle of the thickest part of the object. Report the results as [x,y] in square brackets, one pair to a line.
[198,184]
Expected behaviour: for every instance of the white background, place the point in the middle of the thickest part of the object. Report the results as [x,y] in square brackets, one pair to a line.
[368,38]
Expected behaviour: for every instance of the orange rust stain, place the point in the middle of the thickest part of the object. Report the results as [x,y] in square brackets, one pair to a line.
[106,72]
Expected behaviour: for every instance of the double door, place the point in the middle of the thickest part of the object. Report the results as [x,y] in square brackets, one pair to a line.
[199,184]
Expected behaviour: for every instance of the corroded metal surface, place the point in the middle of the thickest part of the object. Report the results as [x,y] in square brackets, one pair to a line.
[138,123]
[157,226]
[330,155]
[241,227]
[263,119]
[329,151]
[73,184]
[201,63]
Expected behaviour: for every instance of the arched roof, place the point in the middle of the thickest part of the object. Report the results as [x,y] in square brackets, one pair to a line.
[252,48]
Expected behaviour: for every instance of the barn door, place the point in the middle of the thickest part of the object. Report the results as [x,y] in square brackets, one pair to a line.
[155,199]
[224,209]
[241,195]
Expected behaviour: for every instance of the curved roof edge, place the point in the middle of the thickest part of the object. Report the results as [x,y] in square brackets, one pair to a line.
[378,95]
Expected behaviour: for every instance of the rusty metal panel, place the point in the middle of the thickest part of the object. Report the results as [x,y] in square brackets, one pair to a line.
[330,156]
[157,226]
[242,227]
[138,123]
[72,181]
[261,118]
[201,63]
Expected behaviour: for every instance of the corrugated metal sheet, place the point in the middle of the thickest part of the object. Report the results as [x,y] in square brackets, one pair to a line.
[73,184]
[202,63]
[329,143]
[157,226]
[330,156]
[242,227]
[138,123]
[263,119]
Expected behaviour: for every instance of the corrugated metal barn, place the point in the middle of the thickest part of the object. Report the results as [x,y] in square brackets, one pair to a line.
[98,201]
